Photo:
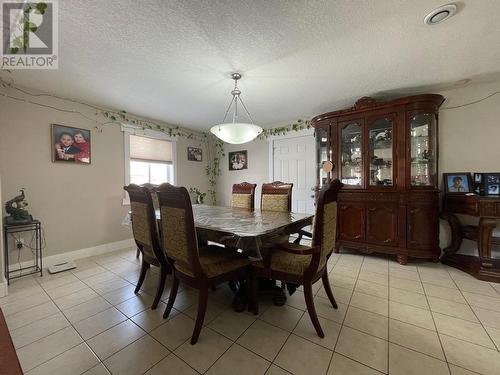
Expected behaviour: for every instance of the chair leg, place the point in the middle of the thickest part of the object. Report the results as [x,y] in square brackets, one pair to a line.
[171,298]
[311,309]
[138,253]
[161,287]
[144,270]
[200,317]
[328,289]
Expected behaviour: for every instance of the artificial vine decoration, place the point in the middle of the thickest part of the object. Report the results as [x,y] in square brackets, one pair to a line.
[285,129]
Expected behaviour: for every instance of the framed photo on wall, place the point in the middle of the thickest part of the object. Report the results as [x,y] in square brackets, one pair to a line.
[70,145]
[195,154]
[238,160]
[460,182]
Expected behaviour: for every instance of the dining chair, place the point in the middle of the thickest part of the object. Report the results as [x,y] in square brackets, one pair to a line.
[145,232]
[243,195]
[276,196]
[304,265]
[200,268]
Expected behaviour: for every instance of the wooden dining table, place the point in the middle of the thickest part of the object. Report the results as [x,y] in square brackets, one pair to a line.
[251,231]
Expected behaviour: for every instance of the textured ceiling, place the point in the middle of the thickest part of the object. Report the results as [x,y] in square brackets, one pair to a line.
[171,60]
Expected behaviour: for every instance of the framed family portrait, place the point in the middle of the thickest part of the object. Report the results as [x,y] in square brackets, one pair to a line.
[460,182]
[195,154]
[238,160]
[70,145]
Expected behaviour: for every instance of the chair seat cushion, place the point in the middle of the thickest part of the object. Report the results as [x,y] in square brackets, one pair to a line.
[282,261]
[216,260]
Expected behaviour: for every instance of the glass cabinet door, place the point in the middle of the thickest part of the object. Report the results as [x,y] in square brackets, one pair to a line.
[323,153]
[352,154]
[380,134]
[423,139]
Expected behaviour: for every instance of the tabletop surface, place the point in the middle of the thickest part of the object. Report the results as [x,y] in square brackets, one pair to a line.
[243,222]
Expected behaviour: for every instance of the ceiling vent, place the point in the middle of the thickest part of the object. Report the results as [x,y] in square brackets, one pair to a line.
[440,14]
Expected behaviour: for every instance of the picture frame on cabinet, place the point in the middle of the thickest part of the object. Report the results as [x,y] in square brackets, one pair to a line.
[457,183]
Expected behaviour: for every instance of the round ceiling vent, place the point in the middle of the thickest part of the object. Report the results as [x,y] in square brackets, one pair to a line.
[440,14]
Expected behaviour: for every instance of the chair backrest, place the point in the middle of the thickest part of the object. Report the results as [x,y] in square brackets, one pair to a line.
[325,220]
[151,188]
[143,220]
[178,232]
[243,195]
[276,196]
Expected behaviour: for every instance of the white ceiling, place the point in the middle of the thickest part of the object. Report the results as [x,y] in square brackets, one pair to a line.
[171,60]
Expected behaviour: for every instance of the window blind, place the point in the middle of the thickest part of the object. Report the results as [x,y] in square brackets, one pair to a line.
[150,149]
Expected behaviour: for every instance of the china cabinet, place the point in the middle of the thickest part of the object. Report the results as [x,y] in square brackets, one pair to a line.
[385,153]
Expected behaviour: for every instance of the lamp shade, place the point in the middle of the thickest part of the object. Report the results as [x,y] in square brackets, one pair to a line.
[236,133]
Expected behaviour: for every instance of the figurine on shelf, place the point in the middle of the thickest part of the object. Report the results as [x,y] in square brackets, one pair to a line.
[385,135]
[18,214]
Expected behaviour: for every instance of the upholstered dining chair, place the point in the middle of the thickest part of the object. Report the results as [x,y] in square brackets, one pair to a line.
[146,237]
[243,195]
[276,196]
[305,265]
[199,268]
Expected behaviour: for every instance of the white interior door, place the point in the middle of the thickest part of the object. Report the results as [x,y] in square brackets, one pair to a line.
[294,161]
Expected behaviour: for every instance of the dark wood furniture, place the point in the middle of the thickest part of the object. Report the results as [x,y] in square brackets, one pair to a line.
[198,268]
[304,265]
[145,232]
[385,153]
[12,232]
[276,196]
[9,363]
[483,266]
[243,195]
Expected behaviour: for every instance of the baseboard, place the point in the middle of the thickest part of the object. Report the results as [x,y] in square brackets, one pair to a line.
[78,254]
[3,289]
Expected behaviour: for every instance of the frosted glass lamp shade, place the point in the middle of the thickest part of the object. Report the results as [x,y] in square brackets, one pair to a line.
[236,133]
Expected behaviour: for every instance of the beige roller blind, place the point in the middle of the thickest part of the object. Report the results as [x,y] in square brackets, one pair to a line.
[150,149]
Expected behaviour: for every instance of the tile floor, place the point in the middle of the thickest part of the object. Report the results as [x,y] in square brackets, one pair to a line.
[423,318]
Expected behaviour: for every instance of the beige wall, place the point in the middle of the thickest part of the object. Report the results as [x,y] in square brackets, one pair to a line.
[257,172]
[80,206]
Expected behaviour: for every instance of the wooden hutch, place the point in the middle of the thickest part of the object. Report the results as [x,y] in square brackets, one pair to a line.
[385,154]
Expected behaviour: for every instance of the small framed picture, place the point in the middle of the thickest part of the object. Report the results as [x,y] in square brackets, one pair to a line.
[238,160]
[492,183]
[195,154]
[70,145]
[478,183]
[460,182]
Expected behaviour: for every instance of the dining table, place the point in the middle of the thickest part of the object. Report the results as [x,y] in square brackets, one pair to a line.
[253,232]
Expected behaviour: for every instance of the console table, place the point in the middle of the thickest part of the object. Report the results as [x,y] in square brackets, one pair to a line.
[483,266]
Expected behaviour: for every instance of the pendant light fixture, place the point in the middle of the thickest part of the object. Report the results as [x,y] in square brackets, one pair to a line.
[236,132]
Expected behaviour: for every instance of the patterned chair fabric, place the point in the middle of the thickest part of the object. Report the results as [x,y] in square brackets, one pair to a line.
[140,227]
[242,201]
[173,230]
[276,196]
[215,261]
[243,195]
[275,202]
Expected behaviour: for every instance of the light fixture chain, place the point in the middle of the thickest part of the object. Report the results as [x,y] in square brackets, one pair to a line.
[228,108]
[246,110]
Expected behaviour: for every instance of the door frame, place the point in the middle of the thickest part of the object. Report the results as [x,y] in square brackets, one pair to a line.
[291,134]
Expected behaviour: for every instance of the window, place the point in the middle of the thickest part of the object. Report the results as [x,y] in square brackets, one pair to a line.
[151,160]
